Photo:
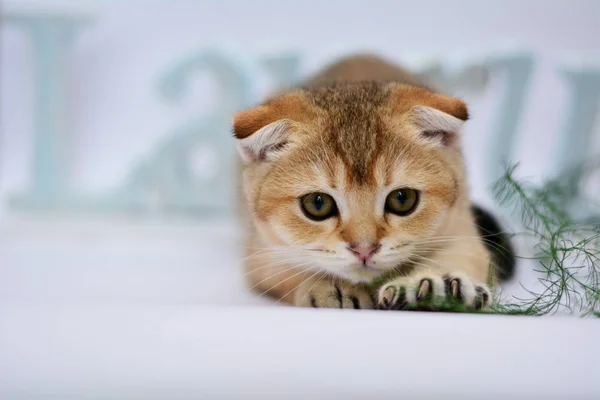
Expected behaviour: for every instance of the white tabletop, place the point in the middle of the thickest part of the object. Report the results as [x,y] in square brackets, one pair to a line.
[196,352]
[159,311]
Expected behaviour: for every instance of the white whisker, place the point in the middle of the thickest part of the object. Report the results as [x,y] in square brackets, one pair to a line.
[298,285]
[303,271]
[277,273]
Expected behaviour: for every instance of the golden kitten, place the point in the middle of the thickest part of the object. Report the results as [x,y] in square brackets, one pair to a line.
[357,179]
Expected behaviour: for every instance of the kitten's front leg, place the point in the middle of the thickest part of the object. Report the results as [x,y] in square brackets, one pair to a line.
[333,293]
[453,277]
[429,290]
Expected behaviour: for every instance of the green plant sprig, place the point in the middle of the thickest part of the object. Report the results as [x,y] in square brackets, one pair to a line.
[567,248]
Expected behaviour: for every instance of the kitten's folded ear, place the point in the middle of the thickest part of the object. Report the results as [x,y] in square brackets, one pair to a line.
[265,131]
[436,126]
[439,118]
[266,143]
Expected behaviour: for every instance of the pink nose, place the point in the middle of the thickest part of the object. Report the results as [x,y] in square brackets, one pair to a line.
[363,253]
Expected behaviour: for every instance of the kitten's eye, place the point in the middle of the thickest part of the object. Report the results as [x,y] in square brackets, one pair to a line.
[402,201]
[318,206]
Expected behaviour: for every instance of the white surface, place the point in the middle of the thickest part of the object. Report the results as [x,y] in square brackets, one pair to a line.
[131,309]
[259,353]
[120,261]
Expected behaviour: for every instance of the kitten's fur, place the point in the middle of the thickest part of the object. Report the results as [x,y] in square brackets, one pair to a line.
[356,131]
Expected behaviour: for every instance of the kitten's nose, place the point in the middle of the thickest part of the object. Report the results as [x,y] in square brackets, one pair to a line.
[362,252]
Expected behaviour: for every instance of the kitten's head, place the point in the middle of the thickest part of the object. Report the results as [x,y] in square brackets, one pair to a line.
[352,178]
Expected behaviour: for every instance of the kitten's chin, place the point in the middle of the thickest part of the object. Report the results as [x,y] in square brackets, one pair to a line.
[360,275]
[361,279]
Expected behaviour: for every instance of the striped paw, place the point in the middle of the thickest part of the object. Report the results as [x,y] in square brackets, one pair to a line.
[333,294]
[433,292]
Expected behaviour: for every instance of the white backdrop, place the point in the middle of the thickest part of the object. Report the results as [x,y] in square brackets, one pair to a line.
[116,117]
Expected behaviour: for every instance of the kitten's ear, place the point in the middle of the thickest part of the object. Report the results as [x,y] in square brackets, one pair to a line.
[266,143]
[264,131]
[438,117]
[436,126]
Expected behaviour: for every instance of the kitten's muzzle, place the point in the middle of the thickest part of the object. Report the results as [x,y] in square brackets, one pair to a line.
[364,253]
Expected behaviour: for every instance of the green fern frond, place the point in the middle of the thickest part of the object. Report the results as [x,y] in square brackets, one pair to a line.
[567,247]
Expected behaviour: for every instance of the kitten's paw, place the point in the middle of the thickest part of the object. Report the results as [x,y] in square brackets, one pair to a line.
[433,292]
[334,294]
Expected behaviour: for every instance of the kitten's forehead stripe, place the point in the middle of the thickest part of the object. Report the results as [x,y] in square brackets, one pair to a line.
[353,125]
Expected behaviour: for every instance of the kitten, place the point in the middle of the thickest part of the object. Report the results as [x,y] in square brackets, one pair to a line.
[356,195]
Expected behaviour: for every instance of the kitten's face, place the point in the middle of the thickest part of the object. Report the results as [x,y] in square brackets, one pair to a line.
[353,192]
